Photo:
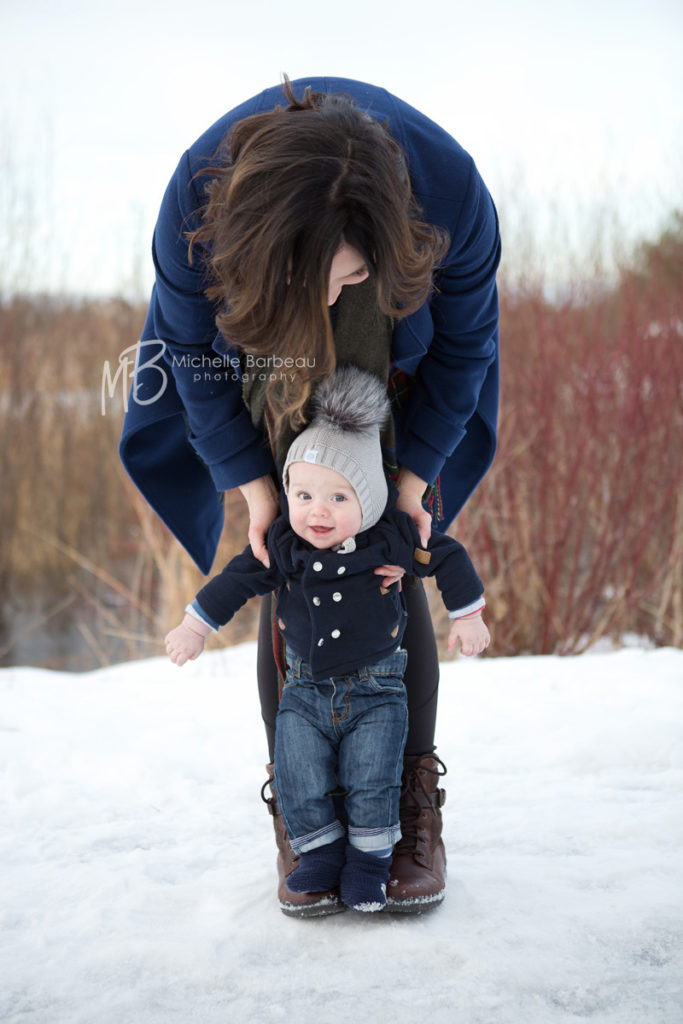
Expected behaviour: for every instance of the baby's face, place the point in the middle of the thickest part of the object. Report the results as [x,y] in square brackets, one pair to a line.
[323,507]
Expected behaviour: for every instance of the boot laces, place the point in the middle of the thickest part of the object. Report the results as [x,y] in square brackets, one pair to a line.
[411,808]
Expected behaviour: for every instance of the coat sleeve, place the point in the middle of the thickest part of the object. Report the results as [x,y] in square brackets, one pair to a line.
[242,578]
[444,558]
[453,570]
[207,381]
[187,435]
[459,327]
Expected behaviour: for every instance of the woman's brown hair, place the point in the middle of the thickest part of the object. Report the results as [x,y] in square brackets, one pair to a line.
[290,186]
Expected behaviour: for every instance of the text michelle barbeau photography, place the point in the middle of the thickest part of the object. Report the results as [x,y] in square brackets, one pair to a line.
[141,373]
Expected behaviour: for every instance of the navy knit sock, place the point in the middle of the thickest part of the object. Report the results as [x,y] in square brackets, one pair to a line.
[319,870]
[364,880]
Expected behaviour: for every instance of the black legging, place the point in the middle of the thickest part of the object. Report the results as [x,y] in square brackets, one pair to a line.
[421,678]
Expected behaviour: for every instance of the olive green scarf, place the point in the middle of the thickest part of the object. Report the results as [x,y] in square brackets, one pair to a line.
[362,337]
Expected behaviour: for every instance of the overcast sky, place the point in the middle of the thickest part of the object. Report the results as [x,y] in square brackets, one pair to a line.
[563,106]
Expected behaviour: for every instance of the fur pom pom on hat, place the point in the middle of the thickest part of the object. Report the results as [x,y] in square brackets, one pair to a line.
[349,410]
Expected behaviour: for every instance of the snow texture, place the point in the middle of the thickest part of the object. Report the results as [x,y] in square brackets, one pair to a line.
[138,862]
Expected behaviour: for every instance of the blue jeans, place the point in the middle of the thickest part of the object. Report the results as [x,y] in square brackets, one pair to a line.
[347,731]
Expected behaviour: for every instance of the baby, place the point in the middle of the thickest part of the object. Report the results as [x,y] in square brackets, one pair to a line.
[342,719]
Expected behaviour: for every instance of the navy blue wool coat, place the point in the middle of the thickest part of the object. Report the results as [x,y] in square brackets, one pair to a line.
[331,608]
[187,435]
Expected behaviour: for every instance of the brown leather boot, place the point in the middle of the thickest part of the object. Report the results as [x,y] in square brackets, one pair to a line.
[294,904]
[417,880]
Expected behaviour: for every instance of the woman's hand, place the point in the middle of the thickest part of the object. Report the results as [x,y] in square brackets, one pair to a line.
[262,502]
[410,491]
[390,574]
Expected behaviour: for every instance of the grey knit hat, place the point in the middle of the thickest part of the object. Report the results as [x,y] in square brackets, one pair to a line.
[350,409]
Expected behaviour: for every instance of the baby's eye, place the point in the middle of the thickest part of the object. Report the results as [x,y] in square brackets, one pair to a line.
[303,496]
[338,497]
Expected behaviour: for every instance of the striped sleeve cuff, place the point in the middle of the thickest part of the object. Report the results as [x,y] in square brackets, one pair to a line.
[469,609]
[197,612]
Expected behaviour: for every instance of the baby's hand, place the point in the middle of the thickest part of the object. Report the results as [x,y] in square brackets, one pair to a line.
[472,633]
[186,641]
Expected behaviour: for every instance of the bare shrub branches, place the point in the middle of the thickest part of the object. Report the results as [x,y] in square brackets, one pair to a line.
[577,529]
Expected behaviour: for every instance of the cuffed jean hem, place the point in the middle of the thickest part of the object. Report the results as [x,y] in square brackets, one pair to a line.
[321,837]
[372,839]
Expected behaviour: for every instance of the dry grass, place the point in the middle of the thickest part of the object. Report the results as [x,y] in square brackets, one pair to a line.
[577,530]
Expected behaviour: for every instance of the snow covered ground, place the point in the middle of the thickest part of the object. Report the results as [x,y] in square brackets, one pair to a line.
[137,881]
